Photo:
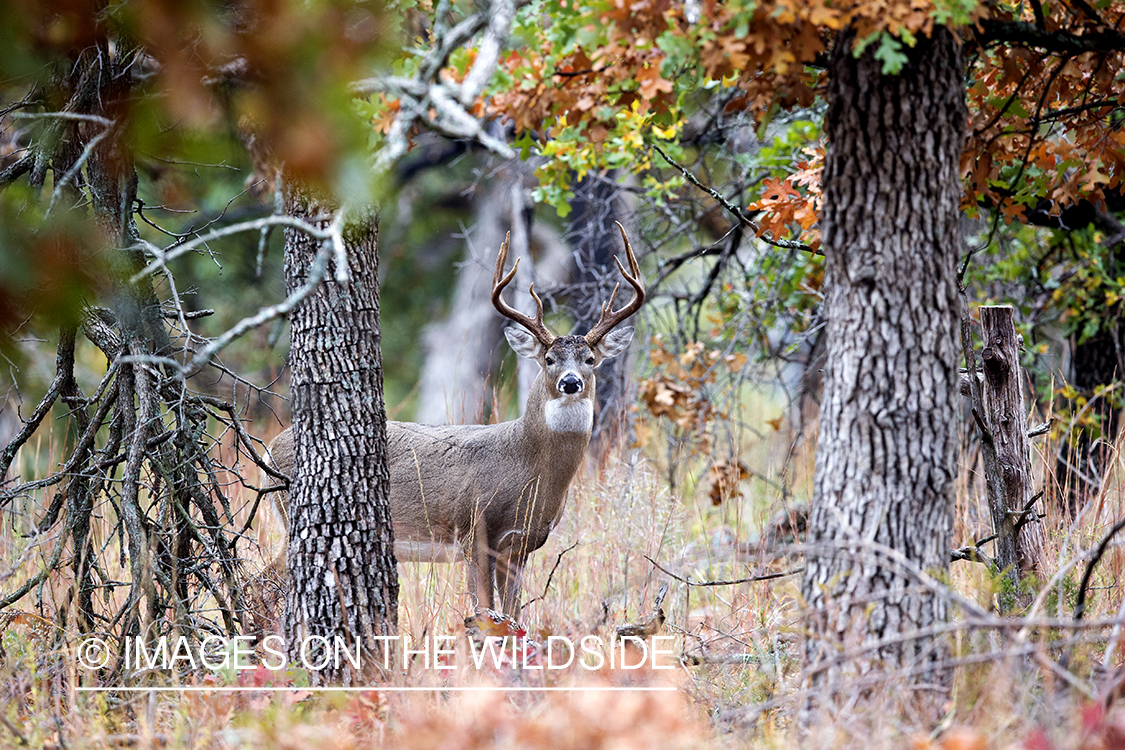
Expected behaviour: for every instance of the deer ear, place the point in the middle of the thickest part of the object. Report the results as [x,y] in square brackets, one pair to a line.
[523,342]
[615,342]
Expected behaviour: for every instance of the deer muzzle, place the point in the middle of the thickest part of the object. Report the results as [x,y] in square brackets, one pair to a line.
[570,383]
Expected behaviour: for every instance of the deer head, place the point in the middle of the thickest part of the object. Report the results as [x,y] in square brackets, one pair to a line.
[568,362]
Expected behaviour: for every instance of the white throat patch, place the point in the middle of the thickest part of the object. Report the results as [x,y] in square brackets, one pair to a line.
[564,415]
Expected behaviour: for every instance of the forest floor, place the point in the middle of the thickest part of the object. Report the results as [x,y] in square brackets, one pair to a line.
[730,674]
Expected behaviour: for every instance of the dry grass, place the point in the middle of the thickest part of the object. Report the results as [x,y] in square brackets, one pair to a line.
[743,688]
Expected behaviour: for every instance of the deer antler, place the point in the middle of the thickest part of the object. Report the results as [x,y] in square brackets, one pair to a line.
[610,318]
[499,281]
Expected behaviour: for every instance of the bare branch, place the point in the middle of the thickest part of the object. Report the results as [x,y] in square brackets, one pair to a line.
[266,314]
[1058,42]
[62,373]
[1080,604]
[17,169]
[750,579]
[246,226]
[500,19]
[733,210]
[550,577]
[103,121]
[426,92]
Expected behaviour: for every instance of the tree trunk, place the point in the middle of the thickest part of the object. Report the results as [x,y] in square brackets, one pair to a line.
[1083,464]
[596,241]
[461,349]
[885,465]
[343,581]
[136,456]
[1007,453]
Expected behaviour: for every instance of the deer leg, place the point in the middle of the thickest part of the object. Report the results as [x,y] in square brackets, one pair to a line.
[509,580]
[482,568]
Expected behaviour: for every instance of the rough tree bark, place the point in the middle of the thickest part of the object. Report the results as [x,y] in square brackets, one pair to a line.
[343,581]
[885,464]
[1007,449]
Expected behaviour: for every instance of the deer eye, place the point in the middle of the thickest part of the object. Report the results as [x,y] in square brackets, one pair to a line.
[550,361]
[589,360]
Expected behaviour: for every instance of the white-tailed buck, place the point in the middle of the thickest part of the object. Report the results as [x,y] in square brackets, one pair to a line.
[491,494]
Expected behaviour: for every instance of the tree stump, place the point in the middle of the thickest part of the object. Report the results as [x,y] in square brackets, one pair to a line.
[1007,447]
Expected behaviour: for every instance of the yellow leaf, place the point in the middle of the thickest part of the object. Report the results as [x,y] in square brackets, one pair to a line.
[1093,178]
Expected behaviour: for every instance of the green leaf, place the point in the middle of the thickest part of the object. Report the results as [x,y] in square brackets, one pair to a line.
[890,53]
[525,144]
[587,37]
[954,12]
[1089,330]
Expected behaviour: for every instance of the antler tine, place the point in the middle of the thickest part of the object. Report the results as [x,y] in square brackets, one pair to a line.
[611,318]
[612,296]
[500,280]
[498,277]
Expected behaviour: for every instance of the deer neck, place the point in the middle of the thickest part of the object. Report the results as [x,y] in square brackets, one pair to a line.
[556,431]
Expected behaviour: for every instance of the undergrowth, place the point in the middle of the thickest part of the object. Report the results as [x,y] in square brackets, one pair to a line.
[736,650]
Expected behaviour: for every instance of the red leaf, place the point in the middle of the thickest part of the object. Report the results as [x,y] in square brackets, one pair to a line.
[1093,716]
[1038,740]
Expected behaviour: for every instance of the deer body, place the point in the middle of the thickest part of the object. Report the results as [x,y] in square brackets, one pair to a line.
[491,494]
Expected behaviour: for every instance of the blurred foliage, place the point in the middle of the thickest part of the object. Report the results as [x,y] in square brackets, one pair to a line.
[217,93]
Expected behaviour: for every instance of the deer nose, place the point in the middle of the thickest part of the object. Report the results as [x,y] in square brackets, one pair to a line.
[570,383]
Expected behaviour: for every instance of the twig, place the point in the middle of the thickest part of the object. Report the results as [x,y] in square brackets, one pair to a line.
[787,244]
[245,226]
[32,544]
[550,576]
[985,435]
[22,740]
[266,314]
[1027,514]
[425,93]
[972,553]
[896,562]
[16,169]
[1042,429]
[750,579]
[32,424]
[190,315]
[104,121]
[1080,603]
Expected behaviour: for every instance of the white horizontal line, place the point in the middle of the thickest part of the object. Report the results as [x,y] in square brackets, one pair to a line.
[379,688]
